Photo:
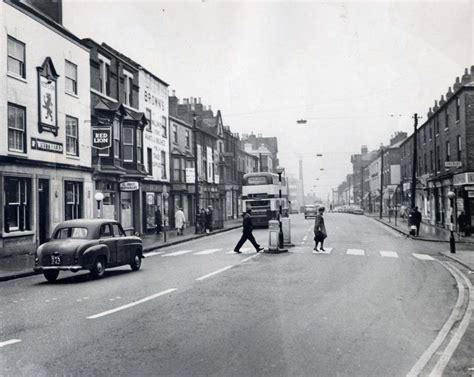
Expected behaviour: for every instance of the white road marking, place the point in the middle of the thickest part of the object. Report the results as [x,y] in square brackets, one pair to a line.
[248,258]
[180,252]
[389,254]
[214,273]
[123,307]
[206,252]
[327,250]
[355,252]
[8,342]
[153,253]
[422,256]
[305,238]
[244,250]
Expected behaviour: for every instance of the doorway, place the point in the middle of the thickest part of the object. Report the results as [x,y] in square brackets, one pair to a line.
[43,210]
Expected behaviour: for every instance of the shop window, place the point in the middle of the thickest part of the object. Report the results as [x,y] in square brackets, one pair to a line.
[16,57]
[17,204]
[71,77]
[73,194]
[72,138]
[16,128]
[128,144]
[126,209]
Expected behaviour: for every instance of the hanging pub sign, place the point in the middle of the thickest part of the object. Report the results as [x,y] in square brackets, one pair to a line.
[101,137]
[47,97]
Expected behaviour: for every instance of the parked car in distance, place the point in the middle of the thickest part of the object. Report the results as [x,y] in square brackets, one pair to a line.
[88,244]
[310,210]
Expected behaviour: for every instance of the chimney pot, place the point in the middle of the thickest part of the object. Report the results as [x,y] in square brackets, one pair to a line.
[466,77]
[174,93]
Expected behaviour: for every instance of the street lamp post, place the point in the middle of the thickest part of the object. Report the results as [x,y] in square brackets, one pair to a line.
[98,197]
[452,242]
[196,182]
[280,171]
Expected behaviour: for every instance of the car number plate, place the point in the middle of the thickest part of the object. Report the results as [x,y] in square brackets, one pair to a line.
[55,260]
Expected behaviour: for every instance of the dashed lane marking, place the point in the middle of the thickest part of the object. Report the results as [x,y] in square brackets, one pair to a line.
[248,258]
[389,254]
[123,307]
[180,252]
[422,256]
[206,252]
[214,273]
[8,342]
[153,253]
[355,252]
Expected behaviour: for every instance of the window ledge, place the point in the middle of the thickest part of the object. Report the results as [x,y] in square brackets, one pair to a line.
[16,77]
[72,157]
[18,233]
[103,95]
[71,94]
[18,154]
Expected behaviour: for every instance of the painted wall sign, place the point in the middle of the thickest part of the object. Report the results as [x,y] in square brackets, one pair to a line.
[101,137]
[190,175]
[129,186]
[452,164]
[47,146]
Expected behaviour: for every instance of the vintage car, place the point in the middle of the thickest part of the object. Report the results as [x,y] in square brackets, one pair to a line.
[88,244]
[310,210]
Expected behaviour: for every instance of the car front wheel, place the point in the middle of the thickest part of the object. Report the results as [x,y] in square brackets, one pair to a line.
[98,268]
[51,275]
[136,261]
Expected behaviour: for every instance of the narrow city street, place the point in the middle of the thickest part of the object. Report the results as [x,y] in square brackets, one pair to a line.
[372,305]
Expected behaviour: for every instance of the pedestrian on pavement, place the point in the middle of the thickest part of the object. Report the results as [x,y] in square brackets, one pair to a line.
[247,233]
[319,230]
[158,221]
[179,221]
[415,219]
[202,220]
[462,222]
[208,219]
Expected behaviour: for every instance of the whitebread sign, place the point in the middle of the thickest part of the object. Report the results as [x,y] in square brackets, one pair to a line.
[129,186]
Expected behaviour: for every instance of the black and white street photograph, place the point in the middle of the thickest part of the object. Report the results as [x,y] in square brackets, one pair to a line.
[248,188]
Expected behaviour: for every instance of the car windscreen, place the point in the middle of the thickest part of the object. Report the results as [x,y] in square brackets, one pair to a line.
[71,232]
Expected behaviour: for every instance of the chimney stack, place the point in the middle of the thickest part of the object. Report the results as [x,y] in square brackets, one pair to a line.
[472,72]
[364,150]
[442,101]
[435,107]
[466,77]
[449,94]
[174,93]
[430,112]
[457,84]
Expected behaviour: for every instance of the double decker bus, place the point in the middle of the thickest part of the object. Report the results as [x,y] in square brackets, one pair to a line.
[260,192]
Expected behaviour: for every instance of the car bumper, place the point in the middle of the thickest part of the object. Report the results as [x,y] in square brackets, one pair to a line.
[58,268]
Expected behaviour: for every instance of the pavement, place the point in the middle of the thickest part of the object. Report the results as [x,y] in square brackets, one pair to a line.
[17,266]
[433,233]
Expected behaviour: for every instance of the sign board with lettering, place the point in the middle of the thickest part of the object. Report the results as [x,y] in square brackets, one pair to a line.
[47,97]
[129,186]
[101,137]
[452,164]
[47,146]
[463,179]
[190,175]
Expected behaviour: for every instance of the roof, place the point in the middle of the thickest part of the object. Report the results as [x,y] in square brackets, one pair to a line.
[86,222]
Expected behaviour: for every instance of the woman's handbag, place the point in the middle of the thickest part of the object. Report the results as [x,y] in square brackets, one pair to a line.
[319,236]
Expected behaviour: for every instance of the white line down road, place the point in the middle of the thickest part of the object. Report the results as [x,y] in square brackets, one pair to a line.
[355,252]
[214,273]
[8,342]
[123,307]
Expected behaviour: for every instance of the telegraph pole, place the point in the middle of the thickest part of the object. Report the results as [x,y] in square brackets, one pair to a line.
[415,158]
[381,182]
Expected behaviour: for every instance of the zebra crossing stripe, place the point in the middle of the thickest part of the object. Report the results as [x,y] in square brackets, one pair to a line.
[206,252]
[422,256]
[355,252]
[180,252]
[389,254]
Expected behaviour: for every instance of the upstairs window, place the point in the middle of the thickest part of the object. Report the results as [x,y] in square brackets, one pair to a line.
[448,151]
[128,144]
[188,139]
[16,128]
[446,118]
[164,127]
[128,88]
[104,75]
[72,139]
[71,77]
[139,147]
[163,165]
[116,139]
[175,134]
[458,108]
[148,118]
[459,145]
[16,57]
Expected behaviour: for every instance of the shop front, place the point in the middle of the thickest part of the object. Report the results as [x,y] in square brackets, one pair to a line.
[154,199]
[464,189]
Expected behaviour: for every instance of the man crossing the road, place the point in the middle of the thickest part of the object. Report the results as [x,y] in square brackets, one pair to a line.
[247,233]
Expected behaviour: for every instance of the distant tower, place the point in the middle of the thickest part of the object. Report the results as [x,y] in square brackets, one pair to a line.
[301,178]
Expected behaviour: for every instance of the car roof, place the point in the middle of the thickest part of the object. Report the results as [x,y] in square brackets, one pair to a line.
[85,222]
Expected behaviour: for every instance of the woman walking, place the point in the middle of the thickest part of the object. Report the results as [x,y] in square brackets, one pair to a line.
[319,231]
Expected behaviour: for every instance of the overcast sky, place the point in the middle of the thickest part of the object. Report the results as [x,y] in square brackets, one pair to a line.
[346,67]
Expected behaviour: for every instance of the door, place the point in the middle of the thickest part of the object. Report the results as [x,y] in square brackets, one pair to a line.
[43,210]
